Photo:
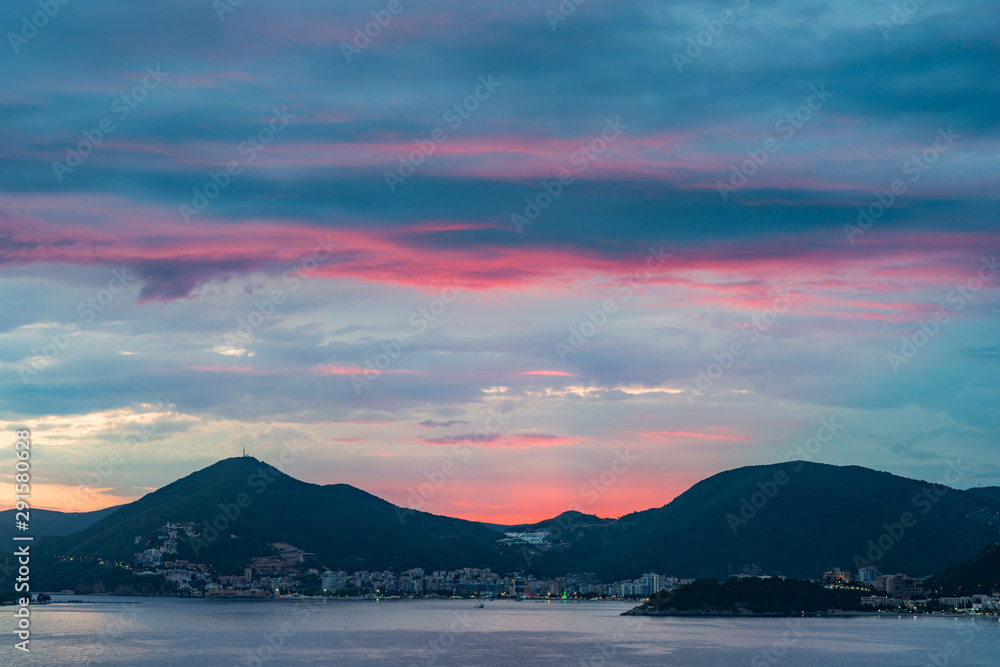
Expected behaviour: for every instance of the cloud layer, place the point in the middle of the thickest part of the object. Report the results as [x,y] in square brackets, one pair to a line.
[510,241]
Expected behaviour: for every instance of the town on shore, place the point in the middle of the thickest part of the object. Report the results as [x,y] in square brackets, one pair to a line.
[290,571]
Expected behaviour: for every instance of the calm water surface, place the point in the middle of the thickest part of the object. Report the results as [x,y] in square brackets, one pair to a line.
[167,631]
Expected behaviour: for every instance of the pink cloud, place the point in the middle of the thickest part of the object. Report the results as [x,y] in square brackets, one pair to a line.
[670,436]
[888,279]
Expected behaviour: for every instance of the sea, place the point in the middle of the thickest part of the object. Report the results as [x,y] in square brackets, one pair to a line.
[154,632]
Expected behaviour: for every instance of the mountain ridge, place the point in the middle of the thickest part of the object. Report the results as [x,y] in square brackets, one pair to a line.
[49,523]
[795,518]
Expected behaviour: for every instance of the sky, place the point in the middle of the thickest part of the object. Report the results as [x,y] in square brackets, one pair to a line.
[497,260]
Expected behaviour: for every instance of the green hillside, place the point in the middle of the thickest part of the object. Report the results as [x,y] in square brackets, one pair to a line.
[45,523]
[345,527]
[809,518]
[821,516]
[991,492]
[979,574]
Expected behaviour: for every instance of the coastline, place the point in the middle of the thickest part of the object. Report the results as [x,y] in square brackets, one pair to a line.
[746,613]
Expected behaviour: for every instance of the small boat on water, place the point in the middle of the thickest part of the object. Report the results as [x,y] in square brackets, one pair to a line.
[479,603]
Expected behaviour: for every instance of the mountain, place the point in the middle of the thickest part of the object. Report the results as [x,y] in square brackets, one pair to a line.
[240,505]
[979,574]
[992,492]
[796,518]
[564,520]
[46,523]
